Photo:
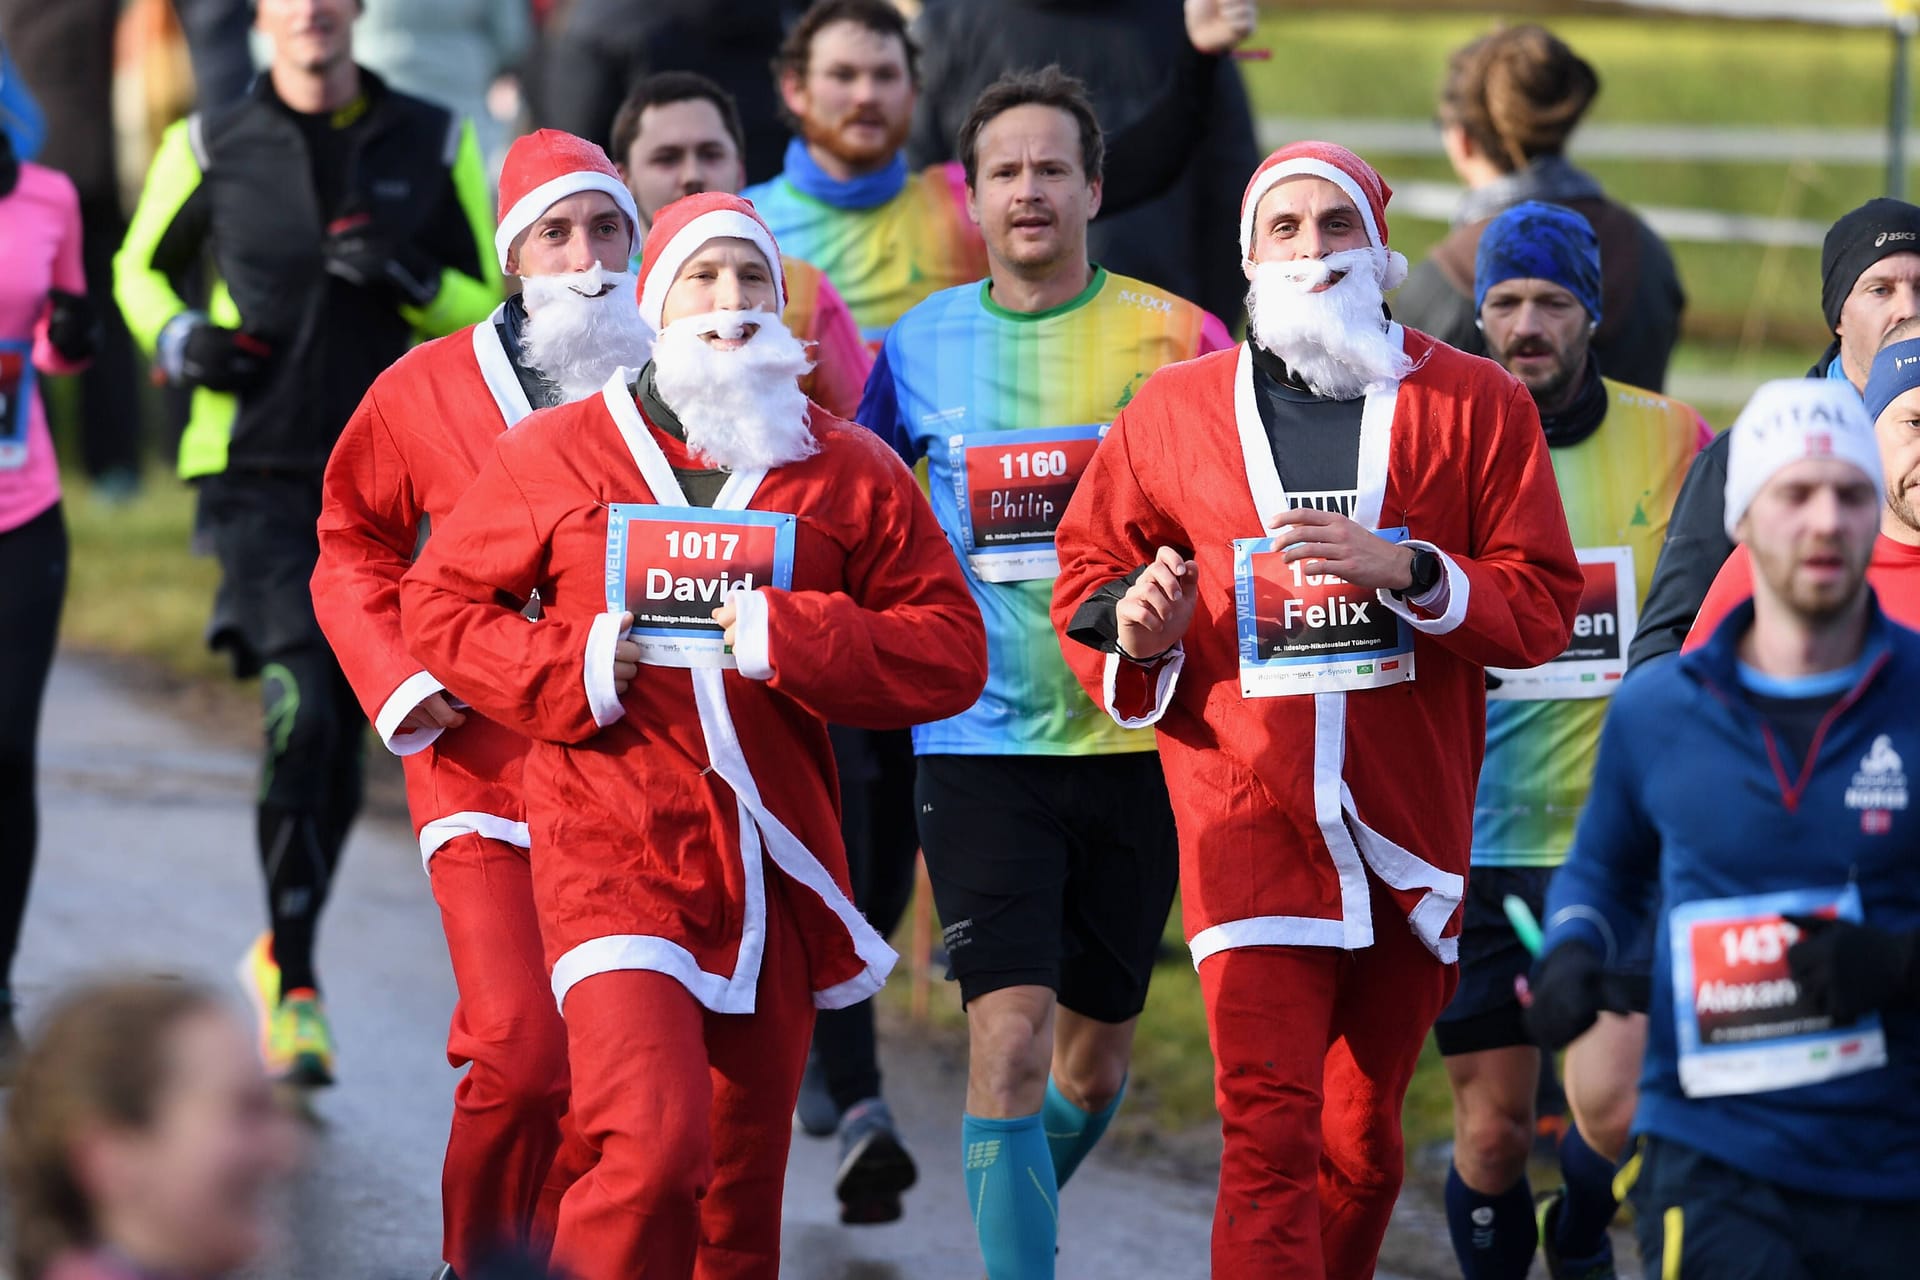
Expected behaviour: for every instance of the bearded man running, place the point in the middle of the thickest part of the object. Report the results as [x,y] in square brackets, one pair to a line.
[772,568]
[567,226]
[1296,559]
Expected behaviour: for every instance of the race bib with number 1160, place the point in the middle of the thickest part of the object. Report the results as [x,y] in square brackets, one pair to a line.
[1011,488]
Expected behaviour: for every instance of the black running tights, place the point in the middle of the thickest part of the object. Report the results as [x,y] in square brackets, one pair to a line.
[33,585]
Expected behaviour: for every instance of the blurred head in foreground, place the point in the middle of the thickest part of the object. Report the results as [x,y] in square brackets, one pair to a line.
[142,1136]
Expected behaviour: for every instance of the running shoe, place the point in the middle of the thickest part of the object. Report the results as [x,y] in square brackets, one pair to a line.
[301,1038]
[1546,1215]
[260,978]
[874,1167]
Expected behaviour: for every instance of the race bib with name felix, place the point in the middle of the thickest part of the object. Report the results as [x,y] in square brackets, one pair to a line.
[16,395]
[1312,633]
[671,567]
[1742,1023]
[1596,657]
[1011,488]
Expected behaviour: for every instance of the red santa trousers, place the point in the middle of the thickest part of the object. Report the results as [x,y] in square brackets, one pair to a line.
[512,1150]
[691,1112]
[1313,1049]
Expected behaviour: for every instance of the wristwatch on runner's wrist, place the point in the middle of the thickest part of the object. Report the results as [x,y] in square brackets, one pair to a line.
[1425,571]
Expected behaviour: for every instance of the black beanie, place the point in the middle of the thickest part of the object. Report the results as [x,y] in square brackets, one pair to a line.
[1877,229]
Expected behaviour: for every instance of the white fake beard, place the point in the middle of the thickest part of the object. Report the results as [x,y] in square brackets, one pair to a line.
[1334,341]
[576,335]
[743,409]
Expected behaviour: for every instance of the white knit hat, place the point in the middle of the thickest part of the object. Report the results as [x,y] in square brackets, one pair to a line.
[1791,419]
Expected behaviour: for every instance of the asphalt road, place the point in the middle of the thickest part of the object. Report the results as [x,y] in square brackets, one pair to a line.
[147,864]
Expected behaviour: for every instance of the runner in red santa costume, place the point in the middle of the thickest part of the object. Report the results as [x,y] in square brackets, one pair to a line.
[1295,559]
[723,568]
[567,226]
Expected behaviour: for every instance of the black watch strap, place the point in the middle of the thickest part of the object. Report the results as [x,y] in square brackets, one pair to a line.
[1425,572]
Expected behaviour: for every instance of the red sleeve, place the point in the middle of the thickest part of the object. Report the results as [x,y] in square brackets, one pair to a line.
[1515,592]
[903,644]
[69,276]
[1110,528]
[369,526]
[459,616]
[1732,585]
[841,359]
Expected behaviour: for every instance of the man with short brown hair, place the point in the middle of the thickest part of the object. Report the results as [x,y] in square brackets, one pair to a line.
[1048,837]
[678,134]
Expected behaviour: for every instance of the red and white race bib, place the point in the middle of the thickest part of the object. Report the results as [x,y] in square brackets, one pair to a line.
[671,567]
[1742,1024]
[1303,632]
[1012,488]
[16,399]
[1596,655]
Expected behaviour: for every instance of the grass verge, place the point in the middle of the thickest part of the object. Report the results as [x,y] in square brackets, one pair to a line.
[135,588]
[1652,71]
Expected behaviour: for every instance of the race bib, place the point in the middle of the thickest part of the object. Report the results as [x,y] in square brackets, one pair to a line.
[1742,1024]
[1312,632]
[1011,488]
[671,567]
[16,396]
[1596,656]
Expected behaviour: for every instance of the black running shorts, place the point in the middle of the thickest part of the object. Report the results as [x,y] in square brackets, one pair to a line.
[1485,1010]
[1050,871]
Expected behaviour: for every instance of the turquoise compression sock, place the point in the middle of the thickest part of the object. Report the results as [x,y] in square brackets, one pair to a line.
[1071,1132]
[1011,1189]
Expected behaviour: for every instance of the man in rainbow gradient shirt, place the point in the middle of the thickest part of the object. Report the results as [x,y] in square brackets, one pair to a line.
[1619,455]
[1046,827]
[845,200]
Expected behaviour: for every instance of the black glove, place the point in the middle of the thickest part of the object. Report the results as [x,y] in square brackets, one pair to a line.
[70,326]
[222,359]
[1847,970]
[1567,994]
[357,252]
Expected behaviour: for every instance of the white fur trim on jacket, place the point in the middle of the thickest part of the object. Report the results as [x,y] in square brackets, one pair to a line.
[602,698]
[413,691]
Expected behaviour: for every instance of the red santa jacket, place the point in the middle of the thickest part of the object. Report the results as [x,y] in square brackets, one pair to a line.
[1284,804]
[407,455]
[654,815]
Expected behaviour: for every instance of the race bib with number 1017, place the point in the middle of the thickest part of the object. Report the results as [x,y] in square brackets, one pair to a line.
[1011,488]
[671,567]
